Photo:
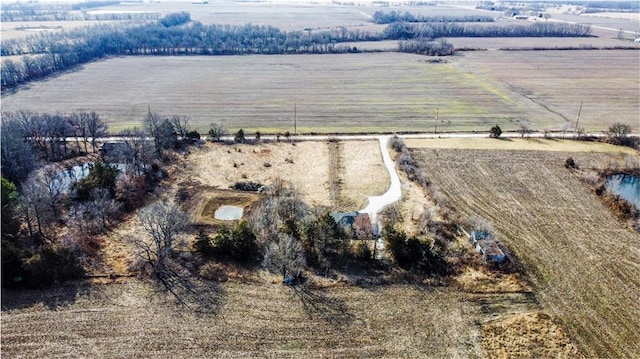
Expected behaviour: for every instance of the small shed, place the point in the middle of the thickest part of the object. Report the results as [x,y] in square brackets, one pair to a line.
[490,251]
[479,235]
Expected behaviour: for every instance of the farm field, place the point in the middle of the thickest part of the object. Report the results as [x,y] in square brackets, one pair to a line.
[292,16]
[561,80]
[497,43]
[22,29]
[379,92]
[256,319]
[583,262]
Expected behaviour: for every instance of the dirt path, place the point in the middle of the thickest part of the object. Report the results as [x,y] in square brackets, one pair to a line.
[393,194]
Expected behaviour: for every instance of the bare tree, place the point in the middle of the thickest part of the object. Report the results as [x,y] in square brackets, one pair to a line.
[95,216]
[216,132]
[136,152]
[524,130]
[33,207]
[618,132]
[54,189]
[180,125]
[285,256]
[17,153]
[163,224]
[161,131]
[80,122]
[96,128]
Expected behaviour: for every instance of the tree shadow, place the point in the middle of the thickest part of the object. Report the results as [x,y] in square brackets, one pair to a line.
[319,305]
[188,291]
[52,298]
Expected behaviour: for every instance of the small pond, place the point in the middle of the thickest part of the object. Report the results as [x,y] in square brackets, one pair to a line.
[228,213]
[76,173]
[625,186]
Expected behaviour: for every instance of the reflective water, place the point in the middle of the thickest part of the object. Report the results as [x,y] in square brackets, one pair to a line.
[228,213]
[74,174]
[625,186]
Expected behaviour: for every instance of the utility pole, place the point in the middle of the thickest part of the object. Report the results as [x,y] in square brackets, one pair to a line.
[578,118]
[295,119]
[437,112]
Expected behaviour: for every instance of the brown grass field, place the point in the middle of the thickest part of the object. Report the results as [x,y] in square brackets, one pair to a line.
[583,262]
[353,92]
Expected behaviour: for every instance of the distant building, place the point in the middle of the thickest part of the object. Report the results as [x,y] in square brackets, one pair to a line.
[487,246]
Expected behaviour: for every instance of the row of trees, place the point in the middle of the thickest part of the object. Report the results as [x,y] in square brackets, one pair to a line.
[436,30]
[50,53]
[31,11]
[428,47]
[382,17]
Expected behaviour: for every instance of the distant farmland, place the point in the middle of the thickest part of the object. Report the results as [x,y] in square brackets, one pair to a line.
[350,92]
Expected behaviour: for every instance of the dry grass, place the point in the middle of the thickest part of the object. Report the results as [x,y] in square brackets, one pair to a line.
[305,164]
[583,262]
[519,144]
[528,330]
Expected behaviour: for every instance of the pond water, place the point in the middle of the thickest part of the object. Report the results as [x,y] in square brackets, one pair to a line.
[76,173]
[625,186]
[228,213]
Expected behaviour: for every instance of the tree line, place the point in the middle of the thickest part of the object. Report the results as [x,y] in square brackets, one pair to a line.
[437,30]
[66,12]
[175,35]
[382,17]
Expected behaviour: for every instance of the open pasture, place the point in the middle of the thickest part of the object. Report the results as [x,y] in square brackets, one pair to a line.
[331,174]
[583,262]
[333,93]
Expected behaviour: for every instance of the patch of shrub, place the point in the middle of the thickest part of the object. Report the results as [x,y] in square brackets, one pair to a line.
[570,163]
[240,244]
[248,186]
[13,271]
[407,251]
[193,135]
[495,131]
[52,265]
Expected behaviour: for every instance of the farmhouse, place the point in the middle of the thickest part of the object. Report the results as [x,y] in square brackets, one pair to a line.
[353,221]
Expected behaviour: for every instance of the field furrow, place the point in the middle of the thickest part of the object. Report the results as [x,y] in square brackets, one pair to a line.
[583,262]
